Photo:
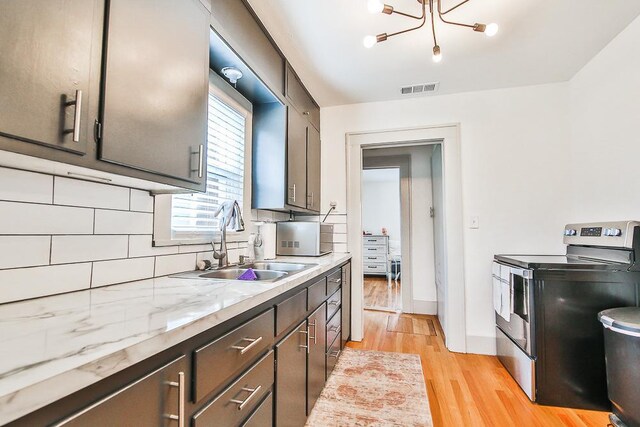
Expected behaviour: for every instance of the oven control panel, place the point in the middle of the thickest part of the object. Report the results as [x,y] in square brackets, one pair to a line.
[609,234]
[591,231]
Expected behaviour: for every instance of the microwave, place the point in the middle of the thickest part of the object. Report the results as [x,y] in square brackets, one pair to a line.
[303,238]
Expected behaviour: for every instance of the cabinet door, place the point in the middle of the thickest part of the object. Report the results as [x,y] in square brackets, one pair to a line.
[346,303]
[45,71]
[157,399]
[154,113]
[316,365]
[296,159]
[291,378]
[313,170]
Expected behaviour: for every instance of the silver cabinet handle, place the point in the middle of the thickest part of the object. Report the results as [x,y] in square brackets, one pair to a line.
[335,354]
[306,113]
[77,116]
[307,334]
[252,343]
[335,280]
[181,399]
[200,160]
[293,190]
[242,403]
[334,302]
[335,329]
[315,328]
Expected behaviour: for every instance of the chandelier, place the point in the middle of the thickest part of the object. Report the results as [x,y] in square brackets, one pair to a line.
[376,6]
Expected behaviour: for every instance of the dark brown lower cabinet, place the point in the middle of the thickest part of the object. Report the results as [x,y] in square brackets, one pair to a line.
[316,362]
[291,378]
[346,303]
[157,399]
[263,415]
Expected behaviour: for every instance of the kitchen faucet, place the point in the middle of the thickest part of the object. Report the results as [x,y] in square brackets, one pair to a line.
[231,215]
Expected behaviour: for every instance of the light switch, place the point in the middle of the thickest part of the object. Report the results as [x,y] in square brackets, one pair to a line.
[475,222]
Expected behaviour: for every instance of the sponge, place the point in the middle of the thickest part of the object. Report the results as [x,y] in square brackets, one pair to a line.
[249,274]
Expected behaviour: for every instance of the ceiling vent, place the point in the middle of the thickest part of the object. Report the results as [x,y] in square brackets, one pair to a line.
[420,89]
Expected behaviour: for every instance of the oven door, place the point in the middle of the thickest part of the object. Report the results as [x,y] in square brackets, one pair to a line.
[517,325]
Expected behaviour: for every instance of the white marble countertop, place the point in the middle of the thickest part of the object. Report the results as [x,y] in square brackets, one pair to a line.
[54,346]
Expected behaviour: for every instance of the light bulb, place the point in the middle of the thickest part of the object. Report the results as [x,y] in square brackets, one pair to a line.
[369,41]
[375,6]
[437,54]
[491,30]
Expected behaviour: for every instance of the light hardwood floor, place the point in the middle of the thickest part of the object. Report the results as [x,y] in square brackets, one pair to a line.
[378,294]
[464,389]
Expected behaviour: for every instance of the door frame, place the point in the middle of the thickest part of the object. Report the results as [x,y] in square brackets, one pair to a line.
[402,162]
[449,138]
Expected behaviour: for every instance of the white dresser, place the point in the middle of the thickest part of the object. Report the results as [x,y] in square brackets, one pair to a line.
[375,255]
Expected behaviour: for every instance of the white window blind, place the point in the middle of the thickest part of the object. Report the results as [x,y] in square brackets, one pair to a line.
[192,214]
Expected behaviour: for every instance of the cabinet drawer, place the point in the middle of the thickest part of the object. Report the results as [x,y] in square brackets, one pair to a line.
[263,416]
[234,404]
[334,281]
[317,294]
[374,268]
[380,241]
[218,362]
[332,356]
[374,259]
[333,328]
[333,303]
[291,311]
[374,250]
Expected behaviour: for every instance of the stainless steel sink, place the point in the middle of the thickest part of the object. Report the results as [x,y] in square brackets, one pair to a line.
[265,271]
[289,267]
[234,273]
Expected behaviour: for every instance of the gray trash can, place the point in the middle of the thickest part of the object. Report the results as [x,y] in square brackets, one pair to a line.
[622,353]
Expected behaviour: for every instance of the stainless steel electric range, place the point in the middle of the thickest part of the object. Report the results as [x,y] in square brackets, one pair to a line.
[548,334]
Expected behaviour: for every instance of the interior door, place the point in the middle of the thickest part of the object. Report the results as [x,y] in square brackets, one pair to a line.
[291,378]
[316,366]
[296,159]
[313,169]
[45,71]
[156,80]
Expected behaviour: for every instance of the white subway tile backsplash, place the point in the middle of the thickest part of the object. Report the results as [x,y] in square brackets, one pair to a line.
[25,283]
[120,271]
[74,192]
[26,218]
[339,238]
[340,247]
[171,264]
[117,222]
[68,249]
[24,251]
[142,245]
[21,186]
[340,228]
[187,249]
[336,219]
[141,201]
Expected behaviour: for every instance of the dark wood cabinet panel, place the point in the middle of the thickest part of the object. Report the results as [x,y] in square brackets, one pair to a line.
[291,378]
[263,415]
[155,87]
[317,294]
[291,311]
[313,169]
[316,366]
[346,303]
[47,70]
[301,99]
[296,159]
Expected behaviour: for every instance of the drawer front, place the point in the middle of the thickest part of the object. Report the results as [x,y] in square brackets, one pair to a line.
[333,328]
[333,282]
[218,362]
[332,356]
[333,303]
[374,250]
[263,416]
[381,241]
[317,294]
[374,259]
[234,404]
[374,268]
[290,311]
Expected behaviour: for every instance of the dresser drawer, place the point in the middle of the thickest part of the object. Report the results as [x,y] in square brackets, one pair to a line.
[263,416]
[333,328]
[317,294]
[333,303]
[332,356]
[381,241]
[374,268]
[334,281]
[235,404]
[374,250]
[374,259]
[290,311]
[218,362]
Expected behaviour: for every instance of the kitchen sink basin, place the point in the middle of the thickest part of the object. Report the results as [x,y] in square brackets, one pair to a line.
[234,273]
[265,271]
[288,267]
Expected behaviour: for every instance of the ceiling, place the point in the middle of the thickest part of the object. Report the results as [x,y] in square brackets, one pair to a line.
[538,42]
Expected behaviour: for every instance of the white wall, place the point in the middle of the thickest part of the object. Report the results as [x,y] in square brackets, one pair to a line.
[514,150]
[381,204]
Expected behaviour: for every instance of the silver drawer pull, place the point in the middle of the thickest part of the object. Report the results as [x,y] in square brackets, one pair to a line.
[181,399]
[335,329]
[252,343]
[77,116]
[314,338]
[306,332]
[335,280]
[335,354]
[242,403]
[334,302]
[292,193]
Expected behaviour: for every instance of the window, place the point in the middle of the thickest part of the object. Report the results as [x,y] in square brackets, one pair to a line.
[191,218]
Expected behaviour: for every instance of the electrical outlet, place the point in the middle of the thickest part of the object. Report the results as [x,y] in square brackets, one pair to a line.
[475,222]
[333,204]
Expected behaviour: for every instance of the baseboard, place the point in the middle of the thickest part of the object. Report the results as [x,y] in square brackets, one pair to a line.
[425,307]
[481,345]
